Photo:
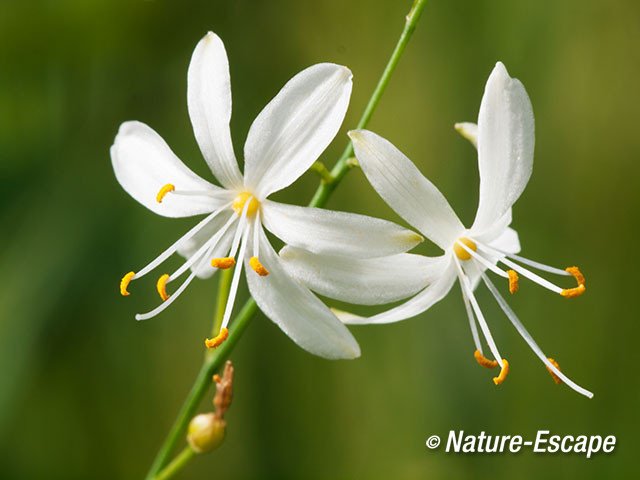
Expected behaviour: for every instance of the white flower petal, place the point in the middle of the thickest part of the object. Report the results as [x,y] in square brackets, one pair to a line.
[144,163]
[405,189]
[191,245]
[361,281]
[336,233]
[412,307]
[469,131]
[508,242]
[295,127]
[506,141]
[209,100]
[297,311]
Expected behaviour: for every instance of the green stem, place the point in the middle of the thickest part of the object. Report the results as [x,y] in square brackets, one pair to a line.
[342,166]
[176,464]
[214,360]
[223,295]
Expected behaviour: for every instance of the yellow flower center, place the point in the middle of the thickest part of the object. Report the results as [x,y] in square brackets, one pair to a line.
[460,252]
[240,201]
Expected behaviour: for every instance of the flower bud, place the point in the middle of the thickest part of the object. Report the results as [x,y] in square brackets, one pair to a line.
[206,432]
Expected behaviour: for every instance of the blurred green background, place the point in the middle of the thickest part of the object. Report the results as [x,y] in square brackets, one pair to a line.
[88,392]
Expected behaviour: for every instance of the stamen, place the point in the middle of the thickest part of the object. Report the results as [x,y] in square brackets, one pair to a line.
[217,341]
[460,251]
[577,274]
[573,292]
[513,281]
[472,321]
[162,287]
[556,378]
[223,263]
[124,283]
[503,373]
[163,191]
[484,361]
[486,263]
[257,267]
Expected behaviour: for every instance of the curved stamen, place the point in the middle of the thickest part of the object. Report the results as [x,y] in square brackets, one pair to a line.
[529,339]
[124,283]
[555,364]
[513,281]
[163,191]
[503,373]
[217,340]
[223,263]
[484,361]
[577,274]
[161,286]
[580,289]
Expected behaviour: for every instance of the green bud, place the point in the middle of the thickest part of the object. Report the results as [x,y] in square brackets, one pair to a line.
[206,432]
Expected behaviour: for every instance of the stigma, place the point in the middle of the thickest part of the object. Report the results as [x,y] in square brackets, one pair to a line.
[217,340]
[460,252]
[241,199]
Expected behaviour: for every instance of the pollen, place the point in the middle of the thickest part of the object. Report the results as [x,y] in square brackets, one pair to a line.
[124,283]
[460,252]
[484,361]
[162,286]
[503,373]
[223,263]
[573,292]
[577,274]
[258,267]
[163,191]
[555,377]
[241,199]
[217,341]
[513,281]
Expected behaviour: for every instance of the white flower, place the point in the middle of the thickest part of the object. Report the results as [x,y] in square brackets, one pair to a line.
[284,140]
[505,142]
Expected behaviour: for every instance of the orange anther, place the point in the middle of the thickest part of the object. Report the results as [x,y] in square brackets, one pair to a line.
[503,373]
[577,274]
[258,267]
[513,281]
[214,342]
[555,377]
[162,286]
[163,191]
[484,361]
[223,263]
[124,283]
[573,292]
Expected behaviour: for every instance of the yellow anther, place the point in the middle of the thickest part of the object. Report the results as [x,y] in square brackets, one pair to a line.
[579,290]
[163,191]
[503,373]
[217,378]
[223,263]
[555,377]
[162,286]
[257,267]
[460,252]
[124,283]
[241,199]
[513,281]
[577,274]
[573,292]
[484,361]
[216,341]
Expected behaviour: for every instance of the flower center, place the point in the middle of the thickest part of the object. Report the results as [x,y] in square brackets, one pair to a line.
[460,252]
[241,199]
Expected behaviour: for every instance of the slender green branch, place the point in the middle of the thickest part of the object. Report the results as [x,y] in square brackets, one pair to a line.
[214,359]
[176,464]
[342,167]
[223,294]
[322,171]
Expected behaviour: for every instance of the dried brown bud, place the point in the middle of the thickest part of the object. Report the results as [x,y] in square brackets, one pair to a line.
[224,390]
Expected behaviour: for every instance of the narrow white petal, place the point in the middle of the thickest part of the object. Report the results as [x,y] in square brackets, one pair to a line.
[506,140]
[336,233]
[297,311]
[405,189]
[412,307]
[144,163]
[209,100]
[373,281]
[295,127]
[469,131]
